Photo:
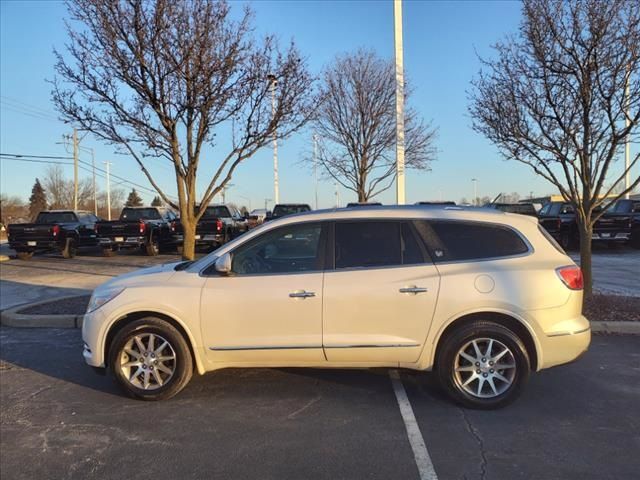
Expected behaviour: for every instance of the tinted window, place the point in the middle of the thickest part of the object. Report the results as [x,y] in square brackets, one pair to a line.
[454,241]
[216,212]
[56,217]
[140,214]
[566,209]
[282,210]
[411,251]
[294,248]
[367,244]
[545,210]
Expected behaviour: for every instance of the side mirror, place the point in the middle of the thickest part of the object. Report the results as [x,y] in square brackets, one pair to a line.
[223,264]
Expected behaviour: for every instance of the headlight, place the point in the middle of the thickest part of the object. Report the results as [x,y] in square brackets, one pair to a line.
[100,297]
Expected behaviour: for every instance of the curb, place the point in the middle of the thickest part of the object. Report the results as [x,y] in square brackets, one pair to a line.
[11,318]
[620,328]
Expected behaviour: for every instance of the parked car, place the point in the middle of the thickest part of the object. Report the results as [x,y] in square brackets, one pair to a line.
[363,204]
[559,219]
[283,209]
[520,208]
[257,217]
[484,298]
[616,224]
[218,225]
[62,231]
[446,203]
[150,229]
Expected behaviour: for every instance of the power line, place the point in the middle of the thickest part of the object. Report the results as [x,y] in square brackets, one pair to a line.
[35,161]
[19,155]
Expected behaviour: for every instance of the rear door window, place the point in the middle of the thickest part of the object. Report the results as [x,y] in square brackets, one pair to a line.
[450,241]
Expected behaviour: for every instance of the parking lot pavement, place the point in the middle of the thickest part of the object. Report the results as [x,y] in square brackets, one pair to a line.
[60,420]
[615,270]
[49,276]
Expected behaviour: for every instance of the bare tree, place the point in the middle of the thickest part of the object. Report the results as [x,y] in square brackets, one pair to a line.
[12,208]
[162,78]
[60,190]
[554,99]
[356,126]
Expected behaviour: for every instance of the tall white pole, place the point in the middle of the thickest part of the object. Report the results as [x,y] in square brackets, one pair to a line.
[276,186]
[108,164]
[315,165]
[397,17]
[627,145]
[95,192]
[475,192]
[75,169]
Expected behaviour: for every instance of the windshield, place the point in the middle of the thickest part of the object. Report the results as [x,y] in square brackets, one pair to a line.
[282,210]
[56,217]
[621,206]
[140,214]
[216,212]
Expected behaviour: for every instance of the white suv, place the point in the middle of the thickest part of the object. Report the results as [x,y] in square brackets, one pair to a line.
[480,296]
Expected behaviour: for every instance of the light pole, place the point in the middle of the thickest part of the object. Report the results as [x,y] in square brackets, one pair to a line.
[276,187]
[627,144]
[266,202]
[397,18]
[475,191]
[108,164]
[315,165]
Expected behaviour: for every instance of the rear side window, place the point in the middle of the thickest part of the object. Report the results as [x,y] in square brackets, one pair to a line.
[376,244]
[457,241]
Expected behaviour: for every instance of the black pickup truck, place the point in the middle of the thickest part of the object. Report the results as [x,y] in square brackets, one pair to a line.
[284,209]
[61,231]
[519,208]
[619,223]
[559,219]
[218,225]
[150,229]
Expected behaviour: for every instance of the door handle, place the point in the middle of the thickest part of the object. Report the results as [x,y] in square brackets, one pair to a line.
[413,289]
[302,294]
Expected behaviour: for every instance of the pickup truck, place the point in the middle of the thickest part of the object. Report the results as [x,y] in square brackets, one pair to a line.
[218,225]
[284,209]
[519,208]
[61,231]
[559,219]
[617,224]
[150,229]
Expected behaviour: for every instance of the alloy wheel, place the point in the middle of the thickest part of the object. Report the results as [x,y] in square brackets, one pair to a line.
[147,361]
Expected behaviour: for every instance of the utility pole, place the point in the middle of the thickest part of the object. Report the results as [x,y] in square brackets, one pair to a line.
[95,191]
[75,169]
[266,203]
[337,195]
[315,165]
[108,164]
[276,186]
[397,17]
[475,191]
[627,144]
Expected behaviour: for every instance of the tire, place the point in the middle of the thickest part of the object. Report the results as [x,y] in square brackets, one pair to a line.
[108,252]
[24,255]
[635,239]
[181,366]
[179,249]
[70,249]
[566,242]
[152,248]
[478,392]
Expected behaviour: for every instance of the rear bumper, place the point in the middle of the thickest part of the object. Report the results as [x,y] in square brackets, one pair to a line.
[566,345]
[204,239]
[611,236]
[33,245]
[126,242]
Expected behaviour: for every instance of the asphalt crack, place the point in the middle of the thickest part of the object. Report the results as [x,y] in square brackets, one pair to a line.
[476,435]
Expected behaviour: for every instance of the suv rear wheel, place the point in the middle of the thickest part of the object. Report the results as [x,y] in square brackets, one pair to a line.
[483,365]
[24,255]
[150,359]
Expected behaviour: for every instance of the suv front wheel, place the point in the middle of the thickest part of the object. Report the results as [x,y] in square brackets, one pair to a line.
[150,359]
[483,365]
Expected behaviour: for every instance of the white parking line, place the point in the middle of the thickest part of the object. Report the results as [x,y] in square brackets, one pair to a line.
[420,453]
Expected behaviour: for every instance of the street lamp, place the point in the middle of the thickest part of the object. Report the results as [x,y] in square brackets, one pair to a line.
[475,191]
[397,17]
[276,187]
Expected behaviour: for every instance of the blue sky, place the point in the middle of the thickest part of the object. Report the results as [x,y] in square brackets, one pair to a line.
[441,41]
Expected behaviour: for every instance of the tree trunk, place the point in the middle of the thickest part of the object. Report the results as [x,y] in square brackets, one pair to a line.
[189,239]
[585,256]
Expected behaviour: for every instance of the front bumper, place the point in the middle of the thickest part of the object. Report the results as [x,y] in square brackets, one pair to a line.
[92,335]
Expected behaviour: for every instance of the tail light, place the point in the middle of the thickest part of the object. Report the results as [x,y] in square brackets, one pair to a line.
[173,226]
[55,230]
[571,276]
[219,225]
[142,227]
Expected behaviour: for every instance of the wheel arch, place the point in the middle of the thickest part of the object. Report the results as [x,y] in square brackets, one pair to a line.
[124,320]
[511,322]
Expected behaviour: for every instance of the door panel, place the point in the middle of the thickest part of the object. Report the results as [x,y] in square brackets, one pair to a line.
[254,318]
[366,318]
